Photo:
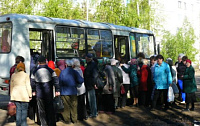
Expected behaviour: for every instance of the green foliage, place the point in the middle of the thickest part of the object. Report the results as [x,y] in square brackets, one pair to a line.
[137,13]
[110,11]
[56,8]
[20,7]
[182,42]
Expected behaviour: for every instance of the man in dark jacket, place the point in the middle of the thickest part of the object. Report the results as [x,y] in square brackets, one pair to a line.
[42,80]
[90,75]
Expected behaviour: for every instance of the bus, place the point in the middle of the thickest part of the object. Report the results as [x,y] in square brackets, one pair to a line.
[57,38]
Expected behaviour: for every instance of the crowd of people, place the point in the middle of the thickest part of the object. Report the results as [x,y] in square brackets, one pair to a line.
[146,83]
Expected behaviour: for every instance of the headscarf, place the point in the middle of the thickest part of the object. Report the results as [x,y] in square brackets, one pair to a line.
[133,61]
[21,66]
[51,65]
[61,64]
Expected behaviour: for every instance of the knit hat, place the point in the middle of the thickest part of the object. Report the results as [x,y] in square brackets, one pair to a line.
[21,66]
[51,64]
[169,61]
[41,59]
[188,61]
[89,55]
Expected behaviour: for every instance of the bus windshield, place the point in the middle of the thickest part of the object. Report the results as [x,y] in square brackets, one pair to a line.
[5,37]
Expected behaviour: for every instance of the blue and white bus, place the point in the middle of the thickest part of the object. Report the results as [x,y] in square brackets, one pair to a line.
[62,38]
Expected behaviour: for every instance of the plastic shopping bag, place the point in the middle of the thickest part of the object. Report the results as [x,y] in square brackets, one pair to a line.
[170,95]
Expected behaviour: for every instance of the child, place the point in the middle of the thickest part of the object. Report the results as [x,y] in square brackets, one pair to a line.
[189,85]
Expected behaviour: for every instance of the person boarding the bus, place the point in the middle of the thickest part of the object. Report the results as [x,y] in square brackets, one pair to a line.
[68,81]
[42,80]
[90,75]
[21,93]
[18,59]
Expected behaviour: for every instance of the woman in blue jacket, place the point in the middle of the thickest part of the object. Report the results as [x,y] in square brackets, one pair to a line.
[163,79]
[68,81]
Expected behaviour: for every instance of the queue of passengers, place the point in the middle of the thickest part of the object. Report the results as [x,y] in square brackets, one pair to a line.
[77,85]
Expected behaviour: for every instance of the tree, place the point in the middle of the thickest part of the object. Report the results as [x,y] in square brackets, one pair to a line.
[136,13]
[19,7]
[110,11]
[56,8]
[182,42]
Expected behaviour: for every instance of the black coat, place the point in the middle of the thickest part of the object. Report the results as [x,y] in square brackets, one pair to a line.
[90,75]
[180,70]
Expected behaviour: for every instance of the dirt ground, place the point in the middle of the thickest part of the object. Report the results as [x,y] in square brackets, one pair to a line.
[137,116]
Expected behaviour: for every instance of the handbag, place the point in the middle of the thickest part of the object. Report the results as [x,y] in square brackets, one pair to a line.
[175,88]
[122,89]
[100,82]
[58,104]
[170,95]
[11,108]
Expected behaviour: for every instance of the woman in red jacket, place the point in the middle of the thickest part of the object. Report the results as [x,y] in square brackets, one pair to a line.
[144,76]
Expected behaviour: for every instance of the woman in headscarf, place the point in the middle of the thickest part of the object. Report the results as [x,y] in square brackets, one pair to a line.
[189,85]
[82,112]
[118,81]
[20,93]
[132,70]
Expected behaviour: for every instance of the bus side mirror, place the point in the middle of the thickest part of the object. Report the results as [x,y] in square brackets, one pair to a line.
[158,48]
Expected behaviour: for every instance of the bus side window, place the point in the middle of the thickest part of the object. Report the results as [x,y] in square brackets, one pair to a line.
[5,41]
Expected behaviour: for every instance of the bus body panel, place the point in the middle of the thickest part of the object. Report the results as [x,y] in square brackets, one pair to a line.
[20,44]
[41,26]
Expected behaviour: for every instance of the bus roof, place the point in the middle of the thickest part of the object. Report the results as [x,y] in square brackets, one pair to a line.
[78,23]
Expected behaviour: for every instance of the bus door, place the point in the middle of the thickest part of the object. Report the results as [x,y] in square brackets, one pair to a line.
[41,43]
[121,48]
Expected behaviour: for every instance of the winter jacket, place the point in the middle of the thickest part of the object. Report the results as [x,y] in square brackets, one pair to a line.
[126,78]
[110,80]
[189,83]
[144,75]
[68,81]
[90,75]
[180,70]
[132,70]
[118,80]
[20,87]
[42,80]
[162,76]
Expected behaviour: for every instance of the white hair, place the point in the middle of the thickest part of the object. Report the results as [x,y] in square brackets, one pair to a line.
[69,62]
[181,55]
[76,62]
